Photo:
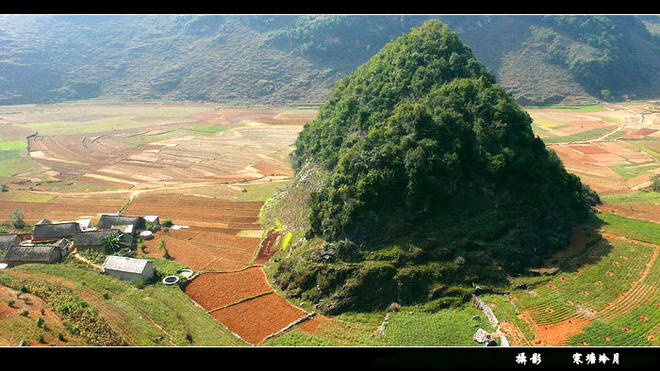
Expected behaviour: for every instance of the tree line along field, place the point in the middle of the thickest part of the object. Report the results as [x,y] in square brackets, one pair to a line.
[211,169]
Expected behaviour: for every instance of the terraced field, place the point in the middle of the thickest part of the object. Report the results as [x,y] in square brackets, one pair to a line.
[611,285]
[612,147]
[206,168]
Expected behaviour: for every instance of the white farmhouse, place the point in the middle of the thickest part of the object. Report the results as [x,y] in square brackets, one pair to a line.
[128,269]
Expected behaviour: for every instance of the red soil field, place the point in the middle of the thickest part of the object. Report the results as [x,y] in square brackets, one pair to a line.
[210,241]
[210,229]
[196,202]
[244,225]
[220,265]
[588,148]
[224,240]
[273,167]
[12,133]
[215,290]
[197,256]
[558,334]
[255,319]
[191,257]
[267,250]
[211,215]
[644,212]
[59,210]
[639,133]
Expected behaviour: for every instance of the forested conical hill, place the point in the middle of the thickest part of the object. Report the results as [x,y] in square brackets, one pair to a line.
[428,179]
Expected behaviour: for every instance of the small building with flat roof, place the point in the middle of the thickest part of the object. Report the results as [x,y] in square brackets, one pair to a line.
[128,269]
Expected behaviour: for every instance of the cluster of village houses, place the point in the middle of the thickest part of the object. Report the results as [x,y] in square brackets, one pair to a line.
[51,241]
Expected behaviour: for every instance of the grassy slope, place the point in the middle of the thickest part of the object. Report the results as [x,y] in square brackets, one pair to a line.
[408,327]
[601,258]
[454,327]
[155,315]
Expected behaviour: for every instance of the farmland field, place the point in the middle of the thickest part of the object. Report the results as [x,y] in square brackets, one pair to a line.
[209,169]
[206,168]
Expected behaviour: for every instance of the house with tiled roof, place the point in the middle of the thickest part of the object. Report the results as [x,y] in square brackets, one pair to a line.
[30,254]
[125,223]
[52,232]
[96,239]
[8,240]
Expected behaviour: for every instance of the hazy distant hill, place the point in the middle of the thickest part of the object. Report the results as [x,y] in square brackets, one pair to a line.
[281,59]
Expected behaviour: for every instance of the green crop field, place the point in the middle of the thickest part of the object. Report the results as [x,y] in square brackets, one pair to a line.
[259,192]
[210,128]
[83,127]
[585,135]
[631,171]
[646,198]
[613,284]
[12,145]
[631,228]
[12,166]
[572,285]
[408,327]
[631,329]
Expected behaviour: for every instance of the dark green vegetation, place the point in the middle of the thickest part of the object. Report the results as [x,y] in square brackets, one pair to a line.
[431,181]
[280,59]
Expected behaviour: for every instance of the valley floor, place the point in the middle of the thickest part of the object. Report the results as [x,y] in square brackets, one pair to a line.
[210,169]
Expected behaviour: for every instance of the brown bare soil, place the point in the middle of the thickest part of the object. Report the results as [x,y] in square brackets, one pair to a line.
[591,161]
[59,210]
[216,290]
[515,336]
[267,250]
[198,256]
[255,319]
[75,154]
[557,334]
[636,211]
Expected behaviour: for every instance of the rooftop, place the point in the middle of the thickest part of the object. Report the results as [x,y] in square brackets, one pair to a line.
[55,230]
[110,220]
[92,238]
[7,240]
[124,264]
[36,253]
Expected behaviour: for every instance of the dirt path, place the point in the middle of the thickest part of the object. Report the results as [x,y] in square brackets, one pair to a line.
[160,186]
[86,261]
